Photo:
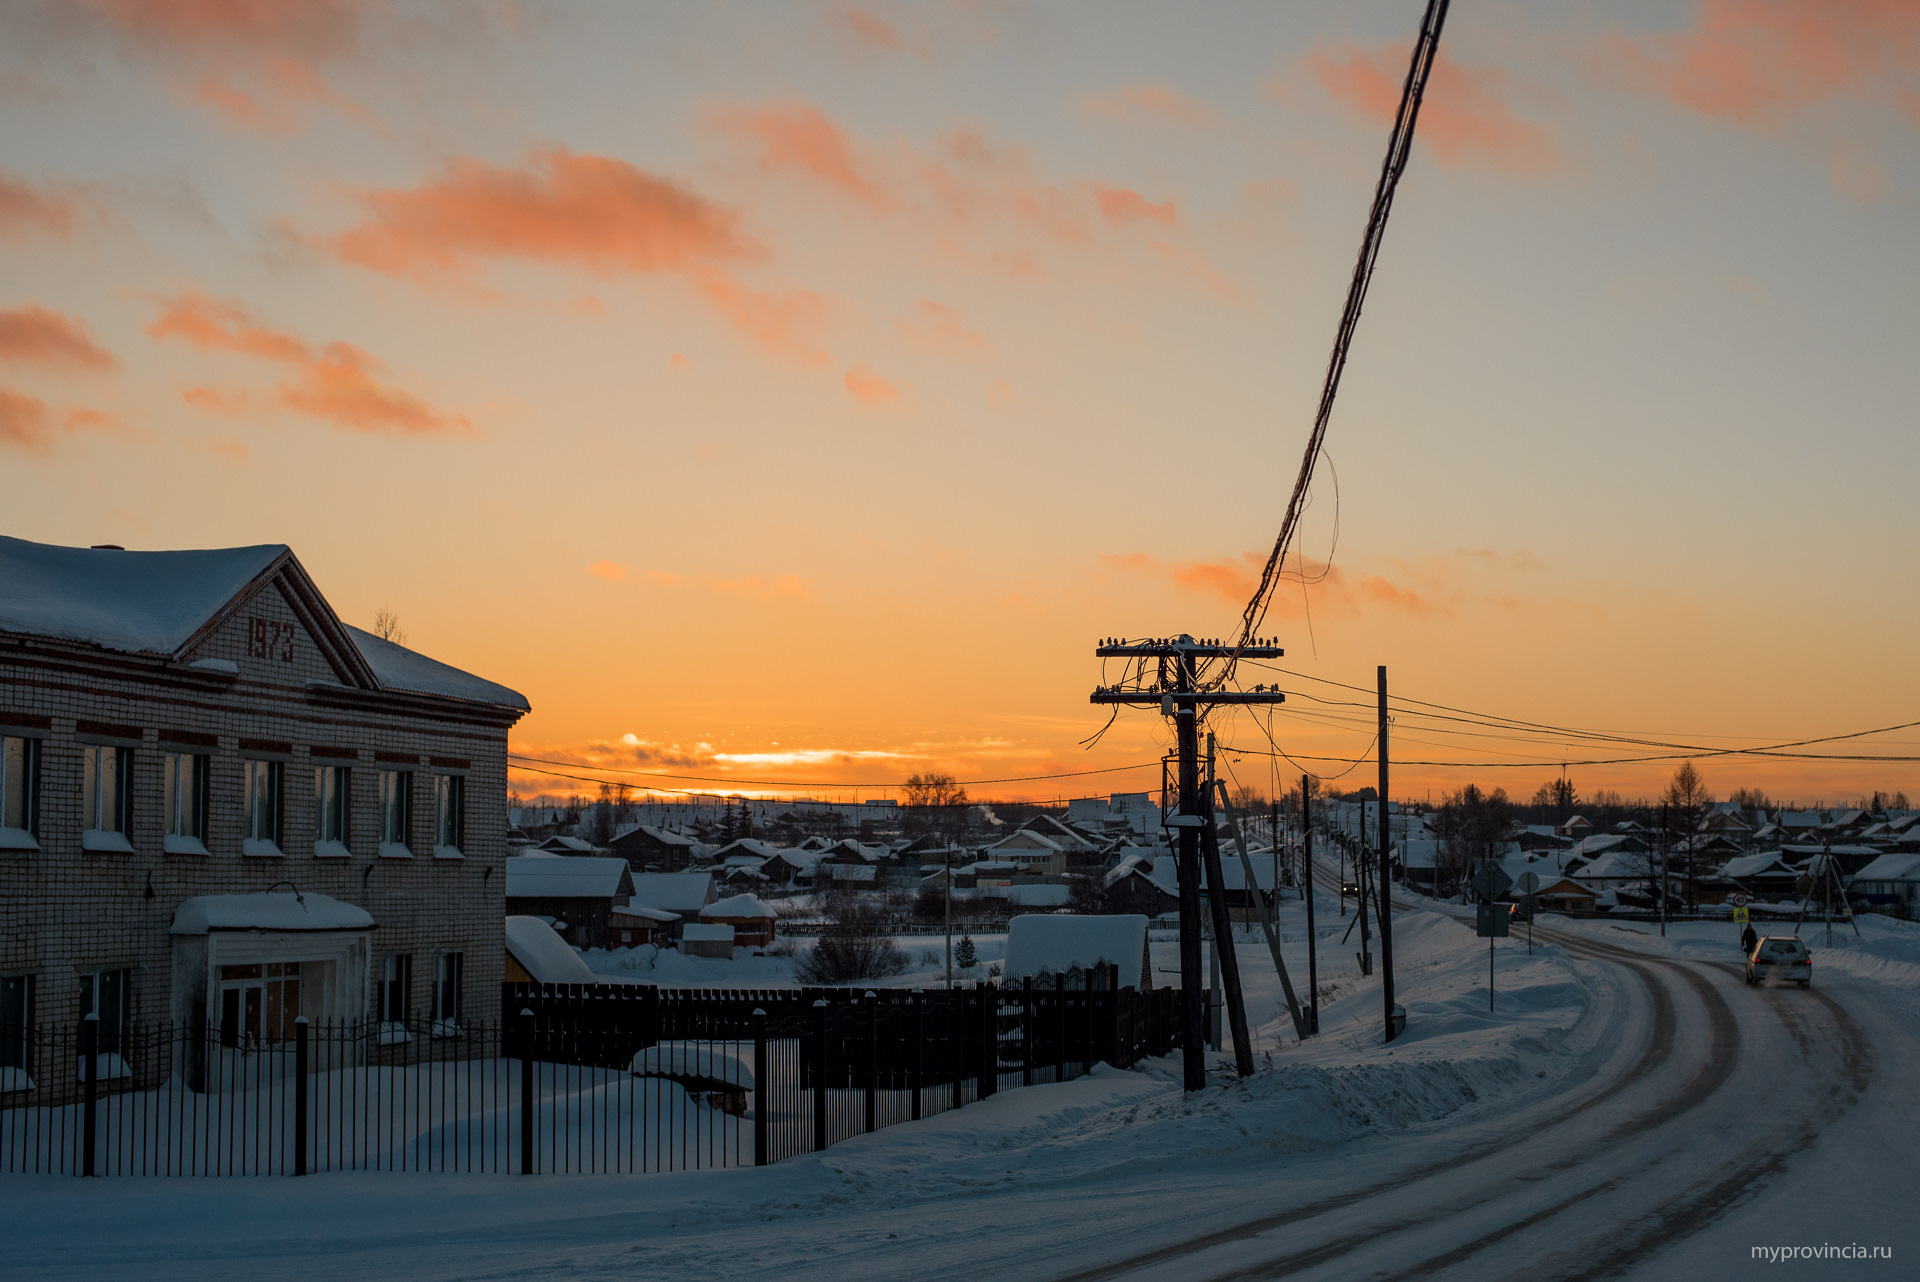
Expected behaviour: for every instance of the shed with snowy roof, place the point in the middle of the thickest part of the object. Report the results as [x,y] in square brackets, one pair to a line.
[1077,951]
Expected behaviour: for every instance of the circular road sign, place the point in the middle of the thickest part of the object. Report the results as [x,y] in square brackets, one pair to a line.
[1739,899]
[1528,882]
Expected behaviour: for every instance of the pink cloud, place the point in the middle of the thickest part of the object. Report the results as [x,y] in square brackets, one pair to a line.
[1463,118]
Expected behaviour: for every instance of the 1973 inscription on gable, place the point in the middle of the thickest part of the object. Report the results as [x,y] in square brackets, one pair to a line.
[267,639]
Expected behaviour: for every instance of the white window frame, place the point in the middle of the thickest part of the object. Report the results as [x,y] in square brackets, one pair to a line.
[114,1022]
[396,814]
[393,991]
[449,985]
[263,806]
[19,792]
[449,816]
[105,772]
[183,795]
[332,811]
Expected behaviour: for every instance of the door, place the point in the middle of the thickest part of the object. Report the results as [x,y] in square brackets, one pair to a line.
[258,1004]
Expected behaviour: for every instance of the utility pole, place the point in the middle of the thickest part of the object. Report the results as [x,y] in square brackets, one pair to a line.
[1386,874]
[1313,940]
[1174,686]
[1360,870]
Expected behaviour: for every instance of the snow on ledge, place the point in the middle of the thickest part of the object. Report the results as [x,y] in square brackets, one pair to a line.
[268,910]
[104,842]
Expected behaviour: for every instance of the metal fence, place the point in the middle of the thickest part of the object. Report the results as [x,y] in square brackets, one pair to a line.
[580,1078]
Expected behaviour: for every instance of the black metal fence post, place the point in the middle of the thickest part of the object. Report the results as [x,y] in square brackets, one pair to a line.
[300,1095]
[820,1077]
[526,1091]
[873,1055]
[90,1097]
[919,1055]
[989,1042]
[1026,1031]
[762,1088]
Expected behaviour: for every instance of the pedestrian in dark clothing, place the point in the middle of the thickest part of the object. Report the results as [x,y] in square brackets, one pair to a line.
[1747,940]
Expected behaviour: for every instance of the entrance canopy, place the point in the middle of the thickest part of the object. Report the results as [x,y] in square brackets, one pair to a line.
[268,910]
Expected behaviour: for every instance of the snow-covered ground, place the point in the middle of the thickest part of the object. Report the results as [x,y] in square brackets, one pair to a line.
[1124,1144]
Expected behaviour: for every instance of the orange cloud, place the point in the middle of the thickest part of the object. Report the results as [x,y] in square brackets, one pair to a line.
[272,45]
[868,387]
[34,334]
[215,401]
[1464,116]
[340,387]
[339,384]
[1233,580]
[585,210]
[223,325]
[1753,60]
[25,210]
[869,29]
[939,330]
[25,423]
[1162,102]
[794,136]
[1195,264]
[1121,207]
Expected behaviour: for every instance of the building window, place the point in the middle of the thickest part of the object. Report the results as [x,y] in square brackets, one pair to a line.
[332,786]
[184,800]
[449,815]
[396,977]
[263,780]
[109,994]
[103,792]
[16,1032]
[396,813]
[449,972]
[19,793]
[258,1004]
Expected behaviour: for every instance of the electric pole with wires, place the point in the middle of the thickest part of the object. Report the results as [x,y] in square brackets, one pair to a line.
[1168,673]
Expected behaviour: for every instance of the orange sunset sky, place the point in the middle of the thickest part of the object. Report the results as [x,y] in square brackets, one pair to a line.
[795,394]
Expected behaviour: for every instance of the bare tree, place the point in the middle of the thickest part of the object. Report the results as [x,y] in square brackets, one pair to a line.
[853,947]
[386,626]
[1686,802]
[937,806]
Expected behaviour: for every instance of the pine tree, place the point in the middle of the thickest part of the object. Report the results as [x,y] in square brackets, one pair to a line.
[965,955]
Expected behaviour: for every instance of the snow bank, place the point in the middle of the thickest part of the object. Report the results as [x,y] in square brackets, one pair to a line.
[727,1063]
[543,954]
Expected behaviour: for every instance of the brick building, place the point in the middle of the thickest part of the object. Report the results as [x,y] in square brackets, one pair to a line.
[222,804]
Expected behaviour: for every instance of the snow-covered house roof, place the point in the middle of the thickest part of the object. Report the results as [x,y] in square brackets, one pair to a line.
[1743,867]
[663,836]
[644,913]
[1901,866]
[737,906]
[167,603]
[1798,820]
[1027,839]
[746,846]
[543,954]
[267,910]
[1054,945]
[1615,865]
[685,893]
[584,877]
[1600,843]
[560,845]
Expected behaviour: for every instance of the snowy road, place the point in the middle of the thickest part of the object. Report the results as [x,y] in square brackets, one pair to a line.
[1631,1111]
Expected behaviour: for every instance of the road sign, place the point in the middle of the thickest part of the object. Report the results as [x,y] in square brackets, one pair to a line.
[1739,899]
[1740,915]
[1528,882]
[1491,922]
[1491,882]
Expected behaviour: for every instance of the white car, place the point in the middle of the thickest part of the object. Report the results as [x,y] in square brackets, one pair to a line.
[1780,959]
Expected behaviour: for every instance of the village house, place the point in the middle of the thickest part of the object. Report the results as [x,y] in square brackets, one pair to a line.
[576,895]
[647,848]
[680,894]
[749,915]
[221,805]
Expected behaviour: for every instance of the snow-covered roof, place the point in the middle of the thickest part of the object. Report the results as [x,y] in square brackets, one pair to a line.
[1027,839]
[737,906]
[747,846]
[573,845]
[402,669]
[641,911]
[142,602]
[1890,867]
[680,892]
[1615,864]
[267,910]
[546,877]
[1753,865]
[661,835]
[1601,842]
[711,932]
[544,955]
[156,602]
[1050,944]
